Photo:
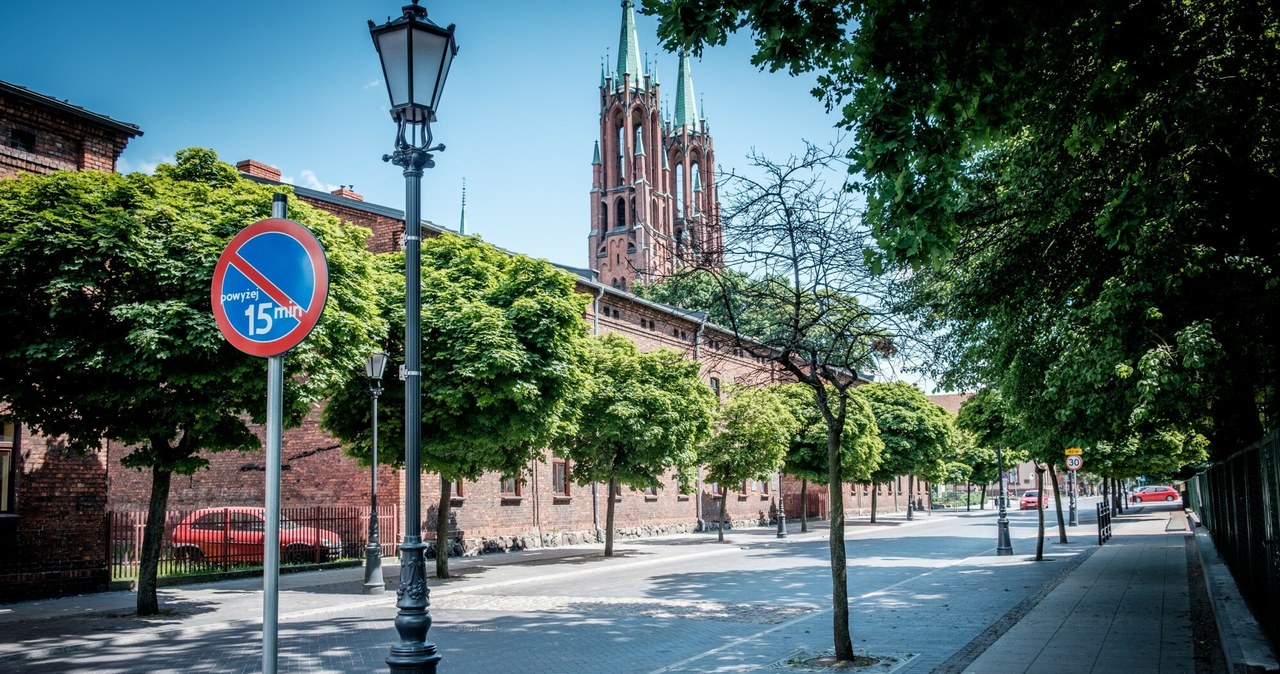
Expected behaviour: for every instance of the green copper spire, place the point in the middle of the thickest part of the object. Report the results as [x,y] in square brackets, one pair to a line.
[602,74]
[639,143]
[595,156]
[629,47]
[686,109]
[462,222]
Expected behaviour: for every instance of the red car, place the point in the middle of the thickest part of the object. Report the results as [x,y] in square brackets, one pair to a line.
[238,534]
[1030,499]
[1157,493]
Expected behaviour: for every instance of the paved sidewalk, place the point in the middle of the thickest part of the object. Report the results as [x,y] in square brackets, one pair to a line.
[1126,607]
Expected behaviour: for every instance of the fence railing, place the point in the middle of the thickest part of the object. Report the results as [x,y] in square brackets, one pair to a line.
[1104,522]
[1238,500]
[221,539]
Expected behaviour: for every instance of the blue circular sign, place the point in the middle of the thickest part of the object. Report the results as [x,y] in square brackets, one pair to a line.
[269,287]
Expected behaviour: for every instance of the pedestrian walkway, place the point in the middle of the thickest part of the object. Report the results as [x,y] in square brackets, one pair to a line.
[1125,607]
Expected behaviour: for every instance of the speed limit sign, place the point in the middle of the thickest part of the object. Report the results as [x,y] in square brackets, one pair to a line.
[1074,462]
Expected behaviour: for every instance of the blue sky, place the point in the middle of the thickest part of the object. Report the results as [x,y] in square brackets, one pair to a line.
[297,85]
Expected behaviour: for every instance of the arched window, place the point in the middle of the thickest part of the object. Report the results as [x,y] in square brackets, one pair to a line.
[695,201]
[677,188]
[621,133]
[619,214]
[604,217]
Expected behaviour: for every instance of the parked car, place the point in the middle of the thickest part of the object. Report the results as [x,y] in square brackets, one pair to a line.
[1031,499]
[238,534]
[1155,493]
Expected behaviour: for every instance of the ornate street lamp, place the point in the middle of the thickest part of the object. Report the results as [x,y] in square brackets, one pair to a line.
[416,55]
[373,581]
[1003,545]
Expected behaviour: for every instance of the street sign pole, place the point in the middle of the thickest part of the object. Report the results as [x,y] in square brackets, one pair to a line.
[271,551]
[269,288]
[1074,462]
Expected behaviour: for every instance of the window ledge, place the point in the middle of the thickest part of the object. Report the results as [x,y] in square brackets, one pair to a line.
[511,500]
[742,497]
[649,498]
[682,497]
[456,501]
[561,499]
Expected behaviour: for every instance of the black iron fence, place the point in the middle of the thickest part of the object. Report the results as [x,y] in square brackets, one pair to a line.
[1238,500]
[212,540]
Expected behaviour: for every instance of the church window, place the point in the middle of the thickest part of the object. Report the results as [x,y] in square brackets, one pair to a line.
[602,252]
[455,488]
[510,487]
[614,283]
[677,188]
[620,214]
[622,145]
[631,248]
[604,217]
[715,386]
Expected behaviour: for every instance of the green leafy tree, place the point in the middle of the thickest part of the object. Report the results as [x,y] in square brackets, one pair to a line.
[110,332]
[642,415]
[500,341]
[1093,183]
[918,435]
[807,454]
[754,428]
[799,244]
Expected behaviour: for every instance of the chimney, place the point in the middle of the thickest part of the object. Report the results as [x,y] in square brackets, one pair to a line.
[345,192]
[258,170]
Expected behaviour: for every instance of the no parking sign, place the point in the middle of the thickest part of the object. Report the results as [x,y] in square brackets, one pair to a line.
[270,287]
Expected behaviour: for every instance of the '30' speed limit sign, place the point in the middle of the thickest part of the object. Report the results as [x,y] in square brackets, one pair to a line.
[1074,462]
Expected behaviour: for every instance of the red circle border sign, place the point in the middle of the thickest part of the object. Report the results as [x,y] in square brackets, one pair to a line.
[304,318]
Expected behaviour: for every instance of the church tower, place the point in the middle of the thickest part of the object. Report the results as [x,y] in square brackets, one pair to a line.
[654,208]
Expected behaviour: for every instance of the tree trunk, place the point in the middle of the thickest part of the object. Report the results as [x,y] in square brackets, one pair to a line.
[968,492]
[804,505]
[874,498]
[1040,512]
[608,517]
[835,542]
[152,540]
[724,497]
[1057,501]
[442,530]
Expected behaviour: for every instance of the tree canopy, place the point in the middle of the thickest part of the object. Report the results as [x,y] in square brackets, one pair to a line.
[110,331]
[501,336]
[1089,184]
[918,435]
[754,430]
[642,416]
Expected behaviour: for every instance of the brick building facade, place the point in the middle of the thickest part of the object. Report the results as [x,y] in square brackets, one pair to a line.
[53,503]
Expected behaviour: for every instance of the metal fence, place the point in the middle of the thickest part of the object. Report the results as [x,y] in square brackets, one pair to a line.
[212,540]
[1238,500]
[1104,522]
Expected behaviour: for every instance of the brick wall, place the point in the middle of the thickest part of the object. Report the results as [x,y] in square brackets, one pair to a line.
[38,139]
[55,543]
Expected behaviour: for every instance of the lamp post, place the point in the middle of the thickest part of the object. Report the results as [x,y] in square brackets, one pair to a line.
[1003,545]
[782,509]
[416,55]
[374,366]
